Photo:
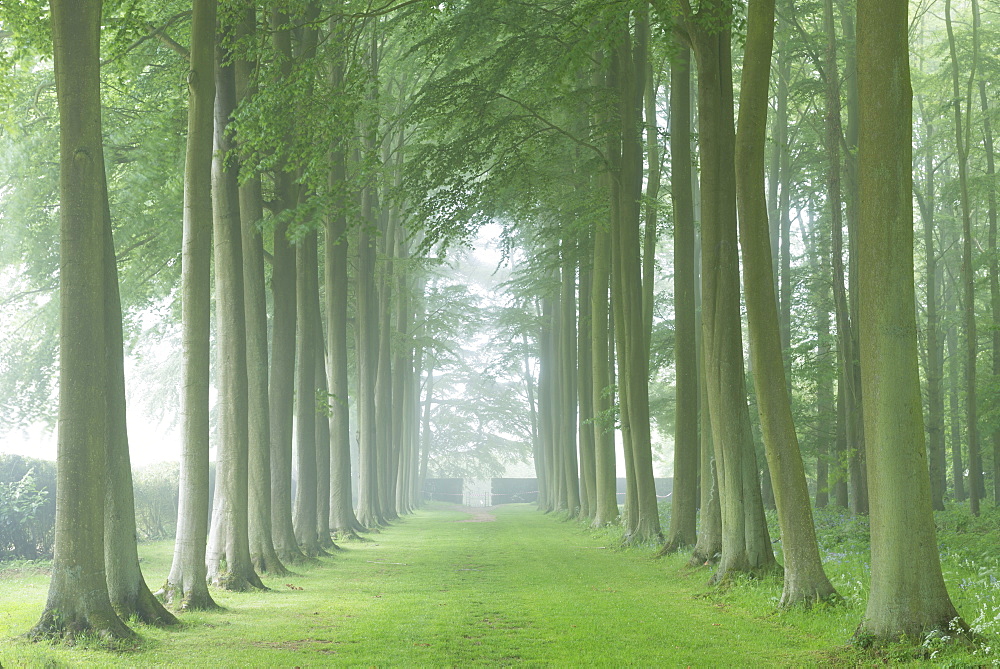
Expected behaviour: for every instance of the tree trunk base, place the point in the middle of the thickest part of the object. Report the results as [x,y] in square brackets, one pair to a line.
[675,544]
[105,625]
[146,608]
[238,581]
[271,566]
[197,600]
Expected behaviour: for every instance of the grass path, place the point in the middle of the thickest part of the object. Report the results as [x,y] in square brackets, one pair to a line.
[511,587]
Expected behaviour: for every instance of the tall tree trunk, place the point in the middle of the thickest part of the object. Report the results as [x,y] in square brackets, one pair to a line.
[186,585]
[605,487]
[805,580]
[847,312]
[323,436]
[746,546]
[262,552]
[230,543]
[968,276]
[684,498]
[368,511]
[935,345]
[342,518]
[306,287]
[991,215]
[585,386]
[78,601]
[903,601]
[709,546]
[632,57]
[954,406]
[281,392]
[567,378]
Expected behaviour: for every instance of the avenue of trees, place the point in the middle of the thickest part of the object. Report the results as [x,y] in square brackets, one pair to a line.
[760,237]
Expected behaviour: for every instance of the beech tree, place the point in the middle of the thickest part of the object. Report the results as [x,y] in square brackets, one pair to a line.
[186,585]
[903,601]
[78,600]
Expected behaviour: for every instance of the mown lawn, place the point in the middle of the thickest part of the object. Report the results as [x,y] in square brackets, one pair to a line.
[438,590]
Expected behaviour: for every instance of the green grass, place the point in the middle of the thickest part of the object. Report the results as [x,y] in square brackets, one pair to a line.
[526,589]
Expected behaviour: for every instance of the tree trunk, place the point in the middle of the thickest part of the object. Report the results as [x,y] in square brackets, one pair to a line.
[935,346]
[684,499]
[805,580]
[186,585]
[585,387]
[957,465]
[605,487]
[306,283]
[231,523]
[262,553]
[323,437]
[78,601]
[968,276]
[746,546]
[282,377]
[342,518]
[847,305]
[567,379]
[903,600]
[634,355]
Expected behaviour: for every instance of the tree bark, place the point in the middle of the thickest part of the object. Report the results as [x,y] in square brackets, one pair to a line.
[78,601]
[684,498]
[968,277]
[805,581]
[229,543]
[342,518]
[746,546]
[903,600]
[262,553]
[186,585]
[282,377]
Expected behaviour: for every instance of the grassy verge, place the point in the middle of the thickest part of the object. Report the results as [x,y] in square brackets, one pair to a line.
[436,591]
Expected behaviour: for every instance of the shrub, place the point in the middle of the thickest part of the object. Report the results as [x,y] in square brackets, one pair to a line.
[156,499]
[27,507]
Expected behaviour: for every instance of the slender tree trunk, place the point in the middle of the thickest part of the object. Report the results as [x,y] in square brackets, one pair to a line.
[262,553]
[281,391]
[994,264]
[568,378]
[323,438]
[968,277]
[847,316]
[709,546]
[954,406]
[605,488]
[805,580]
[186,585]
[304,510]
[684,498]
[746,546]
[342,518]
[231,522]
[632,57]
[935,357]
[368,512]
[585,387]
[903,601]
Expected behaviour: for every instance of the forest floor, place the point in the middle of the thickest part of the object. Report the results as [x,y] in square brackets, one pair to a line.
[440,589]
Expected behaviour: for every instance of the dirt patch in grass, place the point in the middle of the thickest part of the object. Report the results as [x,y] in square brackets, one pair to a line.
[478,516]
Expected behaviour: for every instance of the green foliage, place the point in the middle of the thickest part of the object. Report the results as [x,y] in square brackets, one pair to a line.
[27,507]
[156,496]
